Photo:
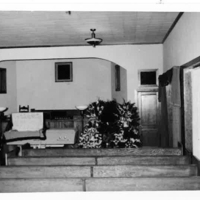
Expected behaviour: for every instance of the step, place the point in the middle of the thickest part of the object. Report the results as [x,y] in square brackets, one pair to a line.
[144,160]
[119,160]
[144,171]
[99,184]
[95,171]
[41,185]
[52,161]
[143,184]
[101,152]
[44,171]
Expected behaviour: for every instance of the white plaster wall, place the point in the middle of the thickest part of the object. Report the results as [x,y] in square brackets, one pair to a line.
[182,46]
[37,88]
[10,98]
[130,57]
[196,112]
[121,95]
[183,43]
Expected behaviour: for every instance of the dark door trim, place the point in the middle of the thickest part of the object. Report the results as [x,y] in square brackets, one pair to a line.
[191,64]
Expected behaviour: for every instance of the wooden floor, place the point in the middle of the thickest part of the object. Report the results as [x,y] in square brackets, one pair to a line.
[58,170]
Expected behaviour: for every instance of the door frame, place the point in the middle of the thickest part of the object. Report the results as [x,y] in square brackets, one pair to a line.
[189,65]
[146,90]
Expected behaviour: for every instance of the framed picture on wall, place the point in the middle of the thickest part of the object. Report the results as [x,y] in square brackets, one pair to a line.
[63,72]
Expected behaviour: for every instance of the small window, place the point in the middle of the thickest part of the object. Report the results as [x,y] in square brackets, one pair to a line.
[63,72]
[117,78]
[148,77]
[3,80]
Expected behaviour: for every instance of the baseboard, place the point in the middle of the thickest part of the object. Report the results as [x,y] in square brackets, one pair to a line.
[197,162]
[188,153]
[193,159]
[180,145]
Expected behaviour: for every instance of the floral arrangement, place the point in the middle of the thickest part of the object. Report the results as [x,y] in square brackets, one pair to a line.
[111,125]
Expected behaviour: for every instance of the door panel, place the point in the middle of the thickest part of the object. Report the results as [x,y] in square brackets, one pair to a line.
[149,137]
[148,111]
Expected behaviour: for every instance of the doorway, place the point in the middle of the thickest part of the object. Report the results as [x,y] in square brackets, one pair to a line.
[147,101]
[148,112]
[190,110]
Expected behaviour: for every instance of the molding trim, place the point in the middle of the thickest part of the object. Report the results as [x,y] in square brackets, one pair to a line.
[192,64]
[66,59]
[51,46]
[197,162]
[172,26]
[147,89]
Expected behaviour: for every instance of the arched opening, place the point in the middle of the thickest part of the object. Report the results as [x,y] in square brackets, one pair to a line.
[36,84]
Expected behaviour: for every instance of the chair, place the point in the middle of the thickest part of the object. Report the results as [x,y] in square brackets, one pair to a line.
[26,128]
[23,108]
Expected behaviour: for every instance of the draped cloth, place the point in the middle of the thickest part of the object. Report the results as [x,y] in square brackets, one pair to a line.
[165,78]
[175,83]
[170,123]
[176,106]
[163,123]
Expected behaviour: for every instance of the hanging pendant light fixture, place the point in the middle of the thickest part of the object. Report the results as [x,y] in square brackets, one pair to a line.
[93,41]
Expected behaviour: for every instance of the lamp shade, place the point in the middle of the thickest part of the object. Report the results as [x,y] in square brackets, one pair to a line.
[93,40]
[81,107]
[3,109]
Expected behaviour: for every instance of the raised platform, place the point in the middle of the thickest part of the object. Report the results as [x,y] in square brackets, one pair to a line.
[122,171]
[117,160]
[62,170]
[102,152]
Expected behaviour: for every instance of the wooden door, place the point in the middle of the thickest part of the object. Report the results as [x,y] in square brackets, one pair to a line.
[148,111]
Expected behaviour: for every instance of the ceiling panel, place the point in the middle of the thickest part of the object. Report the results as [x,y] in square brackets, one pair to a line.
[54,28]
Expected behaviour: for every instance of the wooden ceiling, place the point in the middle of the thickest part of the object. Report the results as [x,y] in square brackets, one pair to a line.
[58,28]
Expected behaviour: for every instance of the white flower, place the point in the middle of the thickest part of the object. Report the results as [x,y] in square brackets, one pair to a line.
[132,140]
